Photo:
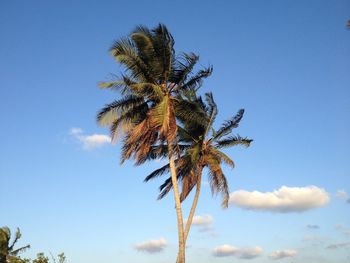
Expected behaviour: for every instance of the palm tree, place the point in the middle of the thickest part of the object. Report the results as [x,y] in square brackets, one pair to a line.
[152,89]
[7,248]
[199,151]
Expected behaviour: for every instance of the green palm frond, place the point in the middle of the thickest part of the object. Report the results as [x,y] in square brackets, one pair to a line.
[159,172]
[195,82]
[163,43]
[159,152]
[19,250]
[229,125]
[126,53]
[5,233]
[121,84]
[233,141]
[128,119]
[184,66]
[220,155]
[108,114]
[184,136]
[162,118]
[212,111]
[148,90]
[190,113]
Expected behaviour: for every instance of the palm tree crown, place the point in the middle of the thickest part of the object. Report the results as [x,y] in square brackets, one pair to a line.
[201,147]
[151,90]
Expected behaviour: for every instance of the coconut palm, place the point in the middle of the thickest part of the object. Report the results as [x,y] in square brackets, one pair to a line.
[7,248]
[201,147]
[152,89]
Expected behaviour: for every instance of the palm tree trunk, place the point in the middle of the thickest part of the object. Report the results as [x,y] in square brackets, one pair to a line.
[193,209]
[194,206]
[180,228]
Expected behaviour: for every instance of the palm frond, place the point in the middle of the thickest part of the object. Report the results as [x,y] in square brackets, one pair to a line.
[128,119]
[19,250]
[126,53]
[233,141]
[212,111]
[159,172]
[229,125]
[222,156]
[121,84]
[217,180]
[184,66]
[5,233]
[191,114]
[195,82]
[17,237]
[159,152]
[162,118]
[108,114]
[165,188]
[188,182]
[142,38]
[163,43]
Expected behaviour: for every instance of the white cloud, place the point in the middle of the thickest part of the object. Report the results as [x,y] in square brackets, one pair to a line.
[284,200]
[202,220]
[204,224]
[244,253]
[279,254]
[89,142]
[152,246]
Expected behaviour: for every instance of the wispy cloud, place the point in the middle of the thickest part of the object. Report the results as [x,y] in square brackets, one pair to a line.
[244,253]
[204,224]
[343,229]
[338,245]
[89,142]
[313,226]
[284,200]
[152,246]
[279,254]
[342,194]
[312,238]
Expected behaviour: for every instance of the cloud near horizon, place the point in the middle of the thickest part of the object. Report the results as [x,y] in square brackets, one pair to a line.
[243,253]
[152,246]
[284,200]
[89,142]
[343,229]
[279,254]
[338,245]
[313,226]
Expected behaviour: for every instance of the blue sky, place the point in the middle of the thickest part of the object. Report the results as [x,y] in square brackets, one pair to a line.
[286,62]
